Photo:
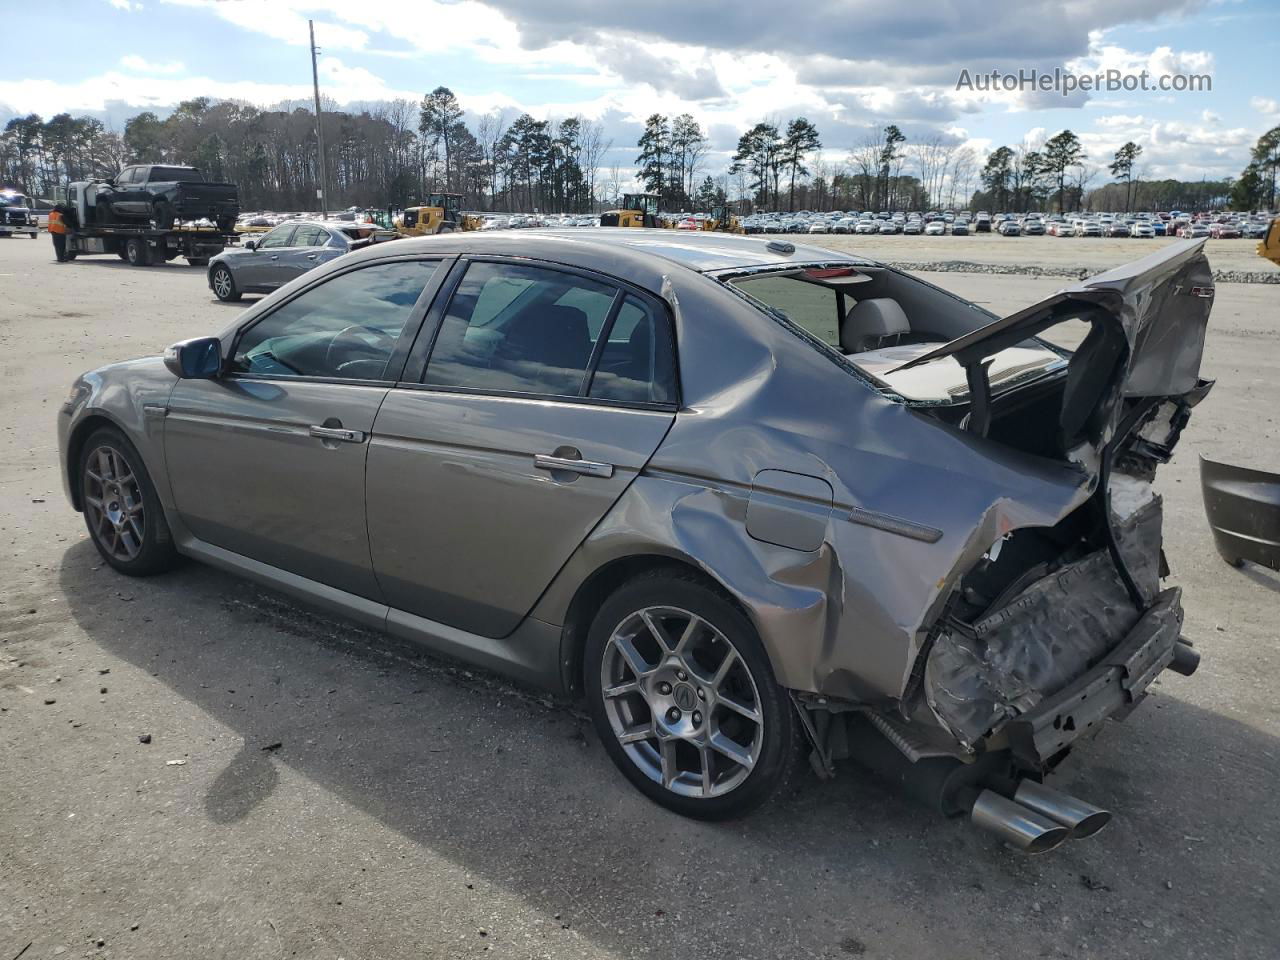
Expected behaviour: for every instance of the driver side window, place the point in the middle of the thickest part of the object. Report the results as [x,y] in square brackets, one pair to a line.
[345,328]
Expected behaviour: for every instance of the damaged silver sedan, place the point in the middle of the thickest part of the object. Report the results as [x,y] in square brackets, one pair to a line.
[760,504]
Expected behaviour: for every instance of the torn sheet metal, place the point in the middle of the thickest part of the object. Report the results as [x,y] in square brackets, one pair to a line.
[1005,663]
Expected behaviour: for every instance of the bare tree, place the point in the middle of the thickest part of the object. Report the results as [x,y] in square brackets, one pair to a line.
[1082,174]
[594,147]
[865,160]
[963,167]
[489,133]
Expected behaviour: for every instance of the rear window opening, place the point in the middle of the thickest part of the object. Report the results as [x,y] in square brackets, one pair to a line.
[879,319]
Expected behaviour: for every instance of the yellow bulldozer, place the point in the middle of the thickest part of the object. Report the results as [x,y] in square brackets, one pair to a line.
[1270,245]
[442,213]
[722,221]
[637,210]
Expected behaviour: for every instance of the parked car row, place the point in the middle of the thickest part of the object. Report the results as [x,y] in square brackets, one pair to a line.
[1034,224]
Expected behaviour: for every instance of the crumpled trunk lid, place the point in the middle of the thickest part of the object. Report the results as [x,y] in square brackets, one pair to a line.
[1148,322]
[1065,598]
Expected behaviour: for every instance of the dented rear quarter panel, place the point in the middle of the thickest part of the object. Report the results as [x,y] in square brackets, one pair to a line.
[848,618]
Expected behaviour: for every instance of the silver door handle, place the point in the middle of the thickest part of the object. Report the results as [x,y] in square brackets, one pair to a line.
[337,433]
[275,256]
[587,468]
[311,256]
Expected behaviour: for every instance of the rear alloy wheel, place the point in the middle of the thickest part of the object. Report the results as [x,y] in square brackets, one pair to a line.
[121,508]
[136,252]
[224,284]
[684,699]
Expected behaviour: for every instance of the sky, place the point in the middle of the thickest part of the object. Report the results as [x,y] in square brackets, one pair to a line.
[850,66]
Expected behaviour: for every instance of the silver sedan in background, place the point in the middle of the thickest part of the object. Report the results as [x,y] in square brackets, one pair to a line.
[269,261]
[756,502]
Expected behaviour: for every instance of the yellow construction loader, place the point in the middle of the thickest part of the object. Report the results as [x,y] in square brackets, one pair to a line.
[722,221]
[1270,245]
[442,213]
[637,210]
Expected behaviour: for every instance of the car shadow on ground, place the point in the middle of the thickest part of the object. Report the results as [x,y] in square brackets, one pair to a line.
[112,262]
[515,787]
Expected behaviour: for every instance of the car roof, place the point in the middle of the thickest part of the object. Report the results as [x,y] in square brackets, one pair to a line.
[610,249]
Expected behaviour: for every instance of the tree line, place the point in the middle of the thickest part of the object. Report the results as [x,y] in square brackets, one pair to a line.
[1256,186]
[389,154]
[394,153]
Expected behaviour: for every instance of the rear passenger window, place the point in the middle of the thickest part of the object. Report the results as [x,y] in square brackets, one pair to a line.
[517,329]
[310,236]
[637,363]
[512,328]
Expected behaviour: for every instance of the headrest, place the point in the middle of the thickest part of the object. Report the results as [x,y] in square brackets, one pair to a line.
[869,322]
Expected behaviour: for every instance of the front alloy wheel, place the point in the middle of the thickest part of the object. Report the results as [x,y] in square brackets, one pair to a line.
[113,503]
[683,697]
[121,509]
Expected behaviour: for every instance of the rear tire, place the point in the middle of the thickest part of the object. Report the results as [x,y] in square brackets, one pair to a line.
[224,284]
[163,215]
[137,252]
[684,700]
[121,509]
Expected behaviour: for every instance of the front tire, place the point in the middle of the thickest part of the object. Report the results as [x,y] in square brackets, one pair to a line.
[224,284]
[684,700]
[121,509]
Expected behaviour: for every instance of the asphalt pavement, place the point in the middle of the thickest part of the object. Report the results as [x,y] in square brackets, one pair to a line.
[309,789]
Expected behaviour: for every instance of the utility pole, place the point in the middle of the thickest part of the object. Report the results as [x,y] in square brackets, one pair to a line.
[315,85]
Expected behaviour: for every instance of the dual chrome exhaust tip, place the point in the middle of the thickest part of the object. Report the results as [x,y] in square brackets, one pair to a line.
[1036,819]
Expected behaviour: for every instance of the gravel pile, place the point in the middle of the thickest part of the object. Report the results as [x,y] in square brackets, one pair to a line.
[1074,273]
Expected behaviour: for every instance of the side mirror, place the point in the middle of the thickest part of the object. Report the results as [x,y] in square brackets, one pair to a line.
[197,359]
[251,244]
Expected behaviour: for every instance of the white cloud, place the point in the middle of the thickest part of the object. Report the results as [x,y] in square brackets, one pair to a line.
[139,65]
[1267,106]
[340,82]
[125,5]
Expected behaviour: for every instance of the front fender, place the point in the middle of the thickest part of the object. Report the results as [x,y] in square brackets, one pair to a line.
[131,396]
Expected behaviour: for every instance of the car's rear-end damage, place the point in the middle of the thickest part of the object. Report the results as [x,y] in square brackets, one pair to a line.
[1056,627]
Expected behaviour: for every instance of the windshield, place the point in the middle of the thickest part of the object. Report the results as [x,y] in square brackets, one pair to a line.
[14,200]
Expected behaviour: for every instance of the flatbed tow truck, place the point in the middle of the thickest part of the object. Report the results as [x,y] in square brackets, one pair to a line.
[139,244]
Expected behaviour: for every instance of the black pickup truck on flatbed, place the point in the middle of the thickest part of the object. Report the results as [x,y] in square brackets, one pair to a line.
[164,193]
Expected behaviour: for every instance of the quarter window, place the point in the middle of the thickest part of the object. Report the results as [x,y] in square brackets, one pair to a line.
[346,327]
[637,362]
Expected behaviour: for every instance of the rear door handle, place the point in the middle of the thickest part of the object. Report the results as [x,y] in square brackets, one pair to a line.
[588,468]
[311,256]
[337,433]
